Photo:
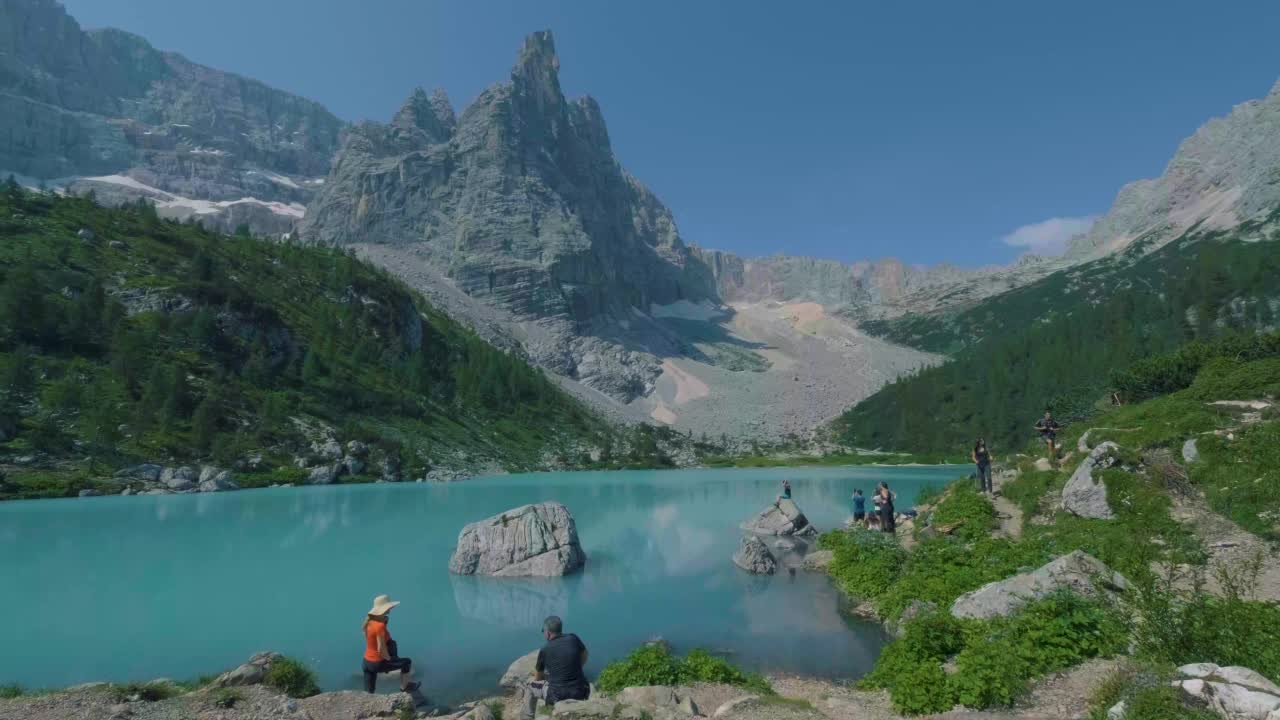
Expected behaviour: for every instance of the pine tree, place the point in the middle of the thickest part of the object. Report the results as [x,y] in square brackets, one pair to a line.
[204,423]
[177,401]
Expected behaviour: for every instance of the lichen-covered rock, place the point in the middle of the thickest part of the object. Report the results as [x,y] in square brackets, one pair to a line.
[1076,571]
[754,556]
[782,518]
[537,540]
[1085,495]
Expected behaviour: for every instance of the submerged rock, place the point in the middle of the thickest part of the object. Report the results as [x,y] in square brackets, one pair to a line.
[1077,571]
[754,557]
[781,518]
[1085,495]
[538,540]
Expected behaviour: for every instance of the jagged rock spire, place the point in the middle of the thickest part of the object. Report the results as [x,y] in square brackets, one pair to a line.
[432,115]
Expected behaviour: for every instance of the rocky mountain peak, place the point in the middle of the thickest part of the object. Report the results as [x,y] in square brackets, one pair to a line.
[535,78]
[430,115]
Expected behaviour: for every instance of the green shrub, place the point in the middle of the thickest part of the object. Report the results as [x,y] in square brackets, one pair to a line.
[1163,703]
[1170,372]
[226,697]
[1241,477]
[943,568]
[147,692]
[922,688]
[655,665]
[8,692]
[864,563]
[965,507]
[292,677]
[1063,630]
[1183,626]
[989,673]
[1229,379]
[646,665]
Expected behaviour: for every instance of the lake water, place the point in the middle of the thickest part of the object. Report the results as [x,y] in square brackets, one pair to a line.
[133,588]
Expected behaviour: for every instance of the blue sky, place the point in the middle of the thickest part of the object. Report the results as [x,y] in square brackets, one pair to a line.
[927,131]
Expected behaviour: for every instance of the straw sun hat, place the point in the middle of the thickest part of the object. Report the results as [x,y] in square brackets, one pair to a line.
[382,605]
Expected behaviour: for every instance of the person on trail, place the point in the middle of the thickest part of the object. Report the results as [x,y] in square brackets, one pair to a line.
[859,508]
[557,675]
[982,458]
[1048,428]
[380,652]
[888,523]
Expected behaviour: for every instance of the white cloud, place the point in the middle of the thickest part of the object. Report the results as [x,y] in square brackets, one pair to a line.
[1049,237]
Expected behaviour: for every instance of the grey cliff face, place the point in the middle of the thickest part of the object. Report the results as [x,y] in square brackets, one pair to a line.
[76,104]
[520,201]
[1222,175]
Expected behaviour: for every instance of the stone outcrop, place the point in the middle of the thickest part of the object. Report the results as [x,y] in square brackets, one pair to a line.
[781,518]
[215,479]
[657,702]
[252,672]
[531,540]
[1235,693]
[180,478]
[754,556]
[519,671]
[1077,571]
[1085,495]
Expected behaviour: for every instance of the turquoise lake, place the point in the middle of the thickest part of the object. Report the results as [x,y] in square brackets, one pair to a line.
[134,588]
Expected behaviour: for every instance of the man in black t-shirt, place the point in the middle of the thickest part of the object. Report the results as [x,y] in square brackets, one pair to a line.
[1048,429]
[558,674]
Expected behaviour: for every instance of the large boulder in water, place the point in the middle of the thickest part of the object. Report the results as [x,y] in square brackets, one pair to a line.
[781,518]
[1085,495]
[1076,571]
[754,557]
[531,540]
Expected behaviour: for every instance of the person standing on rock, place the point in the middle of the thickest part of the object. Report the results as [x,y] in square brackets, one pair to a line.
[1048,428]
[888,523]
[859,508]
[380,652]
[786,492]
[558,673]
[982,458]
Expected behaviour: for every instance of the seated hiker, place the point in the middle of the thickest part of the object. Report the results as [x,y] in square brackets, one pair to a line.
[380,652]
[558,673]
[859,507]
[1048,429]
[786,493]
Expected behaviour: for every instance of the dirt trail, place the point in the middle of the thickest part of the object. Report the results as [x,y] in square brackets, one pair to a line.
[1007,512]
[1229,546]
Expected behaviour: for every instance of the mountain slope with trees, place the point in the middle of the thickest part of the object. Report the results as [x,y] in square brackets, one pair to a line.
[125,338]
[1054,343]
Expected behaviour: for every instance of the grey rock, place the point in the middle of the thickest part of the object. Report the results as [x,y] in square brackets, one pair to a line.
[348,704]
[353,465]
[1076,571]
[781,518]
[217,481]
[89,493]
[1190,453]
[327,449]
[85,234]
[355,448]
[156,491]
[519,671]
[1085,495]
[530,540]
[180,478]
[325,474]
[147,472]
[754,556]
[127,491]
[252,672]
[1116,712]
[592,709]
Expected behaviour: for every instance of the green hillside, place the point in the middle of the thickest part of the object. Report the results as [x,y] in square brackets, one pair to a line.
[1055,343]
[128,339]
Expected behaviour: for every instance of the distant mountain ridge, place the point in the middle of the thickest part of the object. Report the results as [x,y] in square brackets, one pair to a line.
[77,105]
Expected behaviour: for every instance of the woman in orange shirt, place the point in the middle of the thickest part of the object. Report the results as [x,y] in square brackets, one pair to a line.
[380,652]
